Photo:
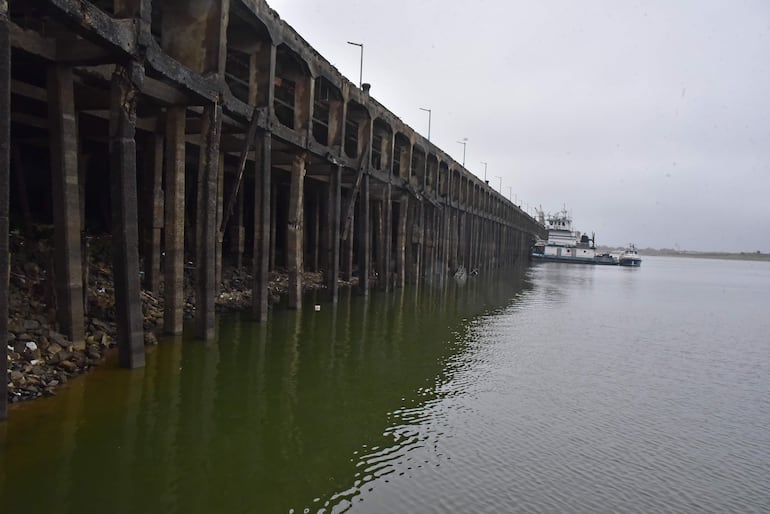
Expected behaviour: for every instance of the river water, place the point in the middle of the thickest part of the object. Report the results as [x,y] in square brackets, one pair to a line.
[560,388]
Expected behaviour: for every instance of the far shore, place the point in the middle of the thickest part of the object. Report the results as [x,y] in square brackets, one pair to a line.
[737,256]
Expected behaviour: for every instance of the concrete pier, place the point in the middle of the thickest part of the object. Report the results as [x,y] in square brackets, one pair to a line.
[177,95]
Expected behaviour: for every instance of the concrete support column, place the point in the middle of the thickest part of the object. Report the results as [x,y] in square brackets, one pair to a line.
[365,236]
[220,215]
[295,230]
[333,233]
[388,235]
[347,248]
[379,233]
[5,174]
[316,228]
[173,272]
[207,231]
[66,202]
[153,168]
[262,231]
[273,223]
[419,226]
[401,241]
[125,222]
[237,232]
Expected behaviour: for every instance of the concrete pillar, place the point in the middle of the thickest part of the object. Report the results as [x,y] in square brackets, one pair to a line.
[347,248]
[5,172]
[379,234]
[207,231]
[365,237]
[66,202]
[273,223]
[262,229]
[316,227]
[388,236]
[173,272]
[125,222]
[237,232]
[333,233]
[220,215]
[153,173]
[419,226]
[295,230]
[401,241]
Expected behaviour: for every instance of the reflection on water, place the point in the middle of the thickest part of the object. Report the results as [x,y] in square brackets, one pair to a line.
[562,389]
[303,412]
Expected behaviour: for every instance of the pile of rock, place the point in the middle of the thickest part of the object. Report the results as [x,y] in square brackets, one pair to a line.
[40,358]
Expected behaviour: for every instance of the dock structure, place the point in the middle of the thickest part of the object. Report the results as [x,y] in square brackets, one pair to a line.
[209,131]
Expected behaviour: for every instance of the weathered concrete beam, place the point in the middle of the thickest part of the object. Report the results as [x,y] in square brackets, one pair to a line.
[295,231]
[125,223]
[66,202]
[207,231]
[93,23]
[5,172]
[32,42]
[203,89]
[173,313]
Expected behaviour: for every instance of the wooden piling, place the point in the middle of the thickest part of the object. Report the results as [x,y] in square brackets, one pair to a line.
[401,241]
[154,212]
[333,232]
[173,313]
[220,215]
[125,223]
[66,202]
[346,264]
[364,240]
[207,230]
[5,169]
[262,229]
[295,230]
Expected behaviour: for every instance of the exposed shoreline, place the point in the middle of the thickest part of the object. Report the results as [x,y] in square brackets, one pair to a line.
[40,359]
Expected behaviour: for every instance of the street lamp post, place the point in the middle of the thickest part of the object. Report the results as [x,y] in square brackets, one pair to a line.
[429,114]
[361,66]
[463,141]
[485,170]
[501,183]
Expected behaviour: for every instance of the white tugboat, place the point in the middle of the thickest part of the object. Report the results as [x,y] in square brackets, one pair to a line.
[566,245]
[630,257]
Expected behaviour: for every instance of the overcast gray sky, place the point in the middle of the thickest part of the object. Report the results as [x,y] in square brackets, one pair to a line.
[649,120]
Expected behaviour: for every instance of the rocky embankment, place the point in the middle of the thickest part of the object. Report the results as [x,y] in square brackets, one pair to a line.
[40,358]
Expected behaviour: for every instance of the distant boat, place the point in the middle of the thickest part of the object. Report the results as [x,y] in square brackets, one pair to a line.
[565,245]
[630,257]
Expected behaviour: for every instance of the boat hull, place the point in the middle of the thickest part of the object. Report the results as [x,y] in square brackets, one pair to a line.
[602,261]
[631,263]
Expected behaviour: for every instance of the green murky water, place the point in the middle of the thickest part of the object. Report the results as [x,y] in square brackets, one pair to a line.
[272,417]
